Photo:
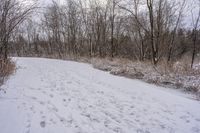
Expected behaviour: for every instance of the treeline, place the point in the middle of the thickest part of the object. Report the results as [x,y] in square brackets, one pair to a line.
[138,29]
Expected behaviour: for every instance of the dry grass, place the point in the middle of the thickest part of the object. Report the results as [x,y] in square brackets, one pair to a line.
[176,74]
[7,67]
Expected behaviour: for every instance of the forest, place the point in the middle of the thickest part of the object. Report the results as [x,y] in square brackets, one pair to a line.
[140,30]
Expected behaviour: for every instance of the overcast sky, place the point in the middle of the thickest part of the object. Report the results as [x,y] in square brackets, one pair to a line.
[190,6]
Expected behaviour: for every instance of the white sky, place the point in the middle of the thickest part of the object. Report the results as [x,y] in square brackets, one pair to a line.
[190,6]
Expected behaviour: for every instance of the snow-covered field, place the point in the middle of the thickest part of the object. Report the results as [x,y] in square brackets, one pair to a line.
[54,96]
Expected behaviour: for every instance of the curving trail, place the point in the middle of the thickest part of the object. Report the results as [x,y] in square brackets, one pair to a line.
[54,96]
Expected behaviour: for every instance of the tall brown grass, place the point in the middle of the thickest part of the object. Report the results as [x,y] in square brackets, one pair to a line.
[7,67]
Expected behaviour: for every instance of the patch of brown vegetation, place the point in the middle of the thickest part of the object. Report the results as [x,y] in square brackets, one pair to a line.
[7,67]
[177,74]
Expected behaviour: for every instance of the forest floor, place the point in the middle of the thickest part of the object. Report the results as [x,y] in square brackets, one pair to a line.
[55,96]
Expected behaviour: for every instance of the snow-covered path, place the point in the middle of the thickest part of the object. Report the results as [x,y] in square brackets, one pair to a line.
[54,96]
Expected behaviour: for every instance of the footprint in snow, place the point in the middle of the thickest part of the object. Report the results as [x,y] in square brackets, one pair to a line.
[63,120]
[52,121]
[43,124]
[32,109]
[28,128]
[195,130]
[198,119]
[51,95]
[28,124]
[64,100]
[43,117]
[41,102]
[34,98]
[55,109]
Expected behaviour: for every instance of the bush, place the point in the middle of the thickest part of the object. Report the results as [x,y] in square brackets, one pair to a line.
[177,74]
[7,67]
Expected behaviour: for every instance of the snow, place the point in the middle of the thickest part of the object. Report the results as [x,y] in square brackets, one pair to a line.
[54,96]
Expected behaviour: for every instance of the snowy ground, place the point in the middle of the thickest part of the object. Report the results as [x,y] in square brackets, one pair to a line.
[53,96]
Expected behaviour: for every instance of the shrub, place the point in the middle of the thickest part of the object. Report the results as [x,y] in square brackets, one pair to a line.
[7,67]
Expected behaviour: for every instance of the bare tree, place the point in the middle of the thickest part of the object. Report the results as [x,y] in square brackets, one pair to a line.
[154,47]
[142,30]
[137,26]
[171,44]
[195,32]
[112,20]
[12,13]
